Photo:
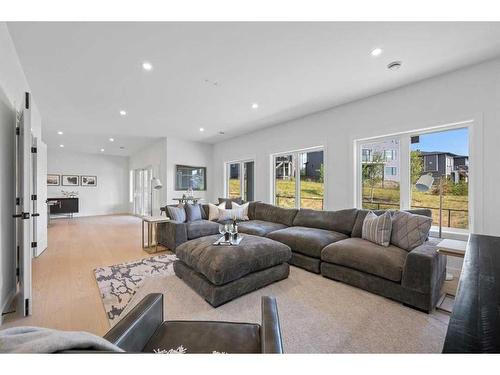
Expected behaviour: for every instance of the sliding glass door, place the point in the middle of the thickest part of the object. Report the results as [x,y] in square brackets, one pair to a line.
[380,174]
[305,190]
[443,155]
[391,171]
[142,191]
[240,180]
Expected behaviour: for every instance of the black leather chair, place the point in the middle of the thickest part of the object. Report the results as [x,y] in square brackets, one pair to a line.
[144,330]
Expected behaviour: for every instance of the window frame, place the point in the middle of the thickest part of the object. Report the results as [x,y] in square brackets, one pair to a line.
[241,162]
[296,163]
[475,176]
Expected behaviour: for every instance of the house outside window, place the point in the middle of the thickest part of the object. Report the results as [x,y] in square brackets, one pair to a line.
[366,155]
[391,171]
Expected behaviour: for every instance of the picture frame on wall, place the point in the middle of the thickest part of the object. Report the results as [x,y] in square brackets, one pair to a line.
[88,181]
[53,180]
[70,180]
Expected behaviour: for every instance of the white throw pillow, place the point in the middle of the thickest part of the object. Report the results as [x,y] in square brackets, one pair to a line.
[240,210]
[377,229]
[213,211]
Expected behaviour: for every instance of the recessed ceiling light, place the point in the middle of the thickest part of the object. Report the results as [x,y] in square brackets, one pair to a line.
[146,65]
[202,129]
[61,146]
[123,113]
[255,105]
[395,65]
[60,132]
[376,52]
[111,139]
[102,150]
[222,133]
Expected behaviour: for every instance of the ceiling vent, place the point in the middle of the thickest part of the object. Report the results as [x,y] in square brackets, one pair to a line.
[395,65]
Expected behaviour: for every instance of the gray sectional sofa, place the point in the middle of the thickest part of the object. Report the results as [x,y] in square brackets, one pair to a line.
[330,243]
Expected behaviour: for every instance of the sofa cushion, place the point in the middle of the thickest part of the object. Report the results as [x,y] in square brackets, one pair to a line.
[201,228]
[193,211]
[360,217]
[377,229]
[340,221]
[409,230]
[268,212]
[228,201]
[365,256]
[308,241]
[258,227]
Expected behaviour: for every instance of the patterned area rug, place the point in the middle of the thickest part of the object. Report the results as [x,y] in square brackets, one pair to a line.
[119,283]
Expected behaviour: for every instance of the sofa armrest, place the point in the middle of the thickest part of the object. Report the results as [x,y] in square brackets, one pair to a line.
[171,234]
[134,330]
[270,331]
[424,269]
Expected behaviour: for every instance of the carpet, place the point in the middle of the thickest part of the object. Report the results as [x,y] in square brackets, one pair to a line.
[119,283]
[317,315]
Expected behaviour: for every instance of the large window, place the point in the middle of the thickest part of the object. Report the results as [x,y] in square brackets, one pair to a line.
[380,178]
[240,180]
[299,179]
[388,176]
[448,153]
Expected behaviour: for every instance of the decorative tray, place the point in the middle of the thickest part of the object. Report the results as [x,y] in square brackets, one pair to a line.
[231,242]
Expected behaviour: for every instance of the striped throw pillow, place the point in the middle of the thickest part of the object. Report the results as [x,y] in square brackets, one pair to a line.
[377,229]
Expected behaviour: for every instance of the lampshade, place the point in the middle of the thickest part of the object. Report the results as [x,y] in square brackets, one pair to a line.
[424,183]
[156,183]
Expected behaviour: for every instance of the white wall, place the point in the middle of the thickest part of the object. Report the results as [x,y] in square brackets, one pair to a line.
[470,93]
[193,154]
[13,85]
[162,156]
[112,192]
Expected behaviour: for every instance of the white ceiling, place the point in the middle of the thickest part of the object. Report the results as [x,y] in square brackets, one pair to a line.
[82,74]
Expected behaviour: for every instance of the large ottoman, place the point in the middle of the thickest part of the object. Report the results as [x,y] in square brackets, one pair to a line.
[222,273]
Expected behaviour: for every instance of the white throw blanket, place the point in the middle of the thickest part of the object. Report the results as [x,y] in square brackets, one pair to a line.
[45,340]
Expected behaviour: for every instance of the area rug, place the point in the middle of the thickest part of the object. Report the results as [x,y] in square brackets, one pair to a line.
[119,283]
[317,315]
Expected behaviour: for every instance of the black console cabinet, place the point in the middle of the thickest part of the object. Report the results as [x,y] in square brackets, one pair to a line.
[63,206]
[475,322]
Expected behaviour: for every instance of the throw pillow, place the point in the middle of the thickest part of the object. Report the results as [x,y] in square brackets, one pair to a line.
[225,215]
[409,230]
[177,213]
[193,212]
[240,211]
[213,211]
[228,201]
[377,229]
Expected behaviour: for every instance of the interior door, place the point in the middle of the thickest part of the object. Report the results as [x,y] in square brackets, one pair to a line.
[40,187]
[24,206]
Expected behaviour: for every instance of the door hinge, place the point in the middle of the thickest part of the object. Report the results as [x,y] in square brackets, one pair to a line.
[34,244]
[17,271]
[18,131]
[33,197]
[33,150]
[18,201]
[27,96]
[26,307]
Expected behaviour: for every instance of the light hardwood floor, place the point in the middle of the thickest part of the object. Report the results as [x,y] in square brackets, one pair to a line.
[65,293]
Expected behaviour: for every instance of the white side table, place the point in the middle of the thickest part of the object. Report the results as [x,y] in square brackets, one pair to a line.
[152,222]
[453,248]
